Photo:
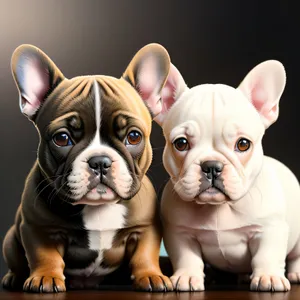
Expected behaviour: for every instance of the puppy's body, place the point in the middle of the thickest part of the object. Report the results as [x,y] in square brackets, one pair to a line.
[226,203]
[224,231]
[87,204]
[94,237]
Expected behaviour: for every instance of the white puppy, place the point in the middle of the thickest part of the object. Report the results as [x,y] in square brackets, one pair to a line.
[226,203]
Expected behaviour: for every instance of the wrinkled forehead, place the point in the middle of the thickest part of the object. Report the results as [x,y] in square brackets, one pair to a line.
[78,95]
[213,107]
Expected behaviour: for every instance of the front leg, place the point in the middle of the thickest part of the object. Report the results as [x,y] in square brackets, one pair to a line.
[45,261]
[268,249]
[144,262]
[185,253]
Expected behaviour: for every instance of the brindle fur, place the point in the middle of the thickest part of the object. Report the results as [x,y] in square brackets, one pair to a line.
[48,228]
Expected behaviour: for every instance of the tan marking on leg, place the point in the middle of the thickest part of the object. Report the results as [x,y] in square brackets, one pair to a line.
[45,261]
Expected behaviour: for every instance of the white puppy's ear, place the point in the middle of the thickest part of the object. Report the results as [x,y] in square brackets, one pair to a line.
[147,73]
[35,75]
[263,86]
[172,90]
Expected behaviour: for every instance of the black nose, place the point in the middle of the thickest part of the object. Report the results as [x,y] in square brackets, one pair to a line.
[100,164]
[212,168]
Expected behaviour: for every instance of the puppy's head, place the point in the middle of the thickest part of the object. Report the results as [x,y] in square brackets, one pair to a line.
[213,133]
[94,130]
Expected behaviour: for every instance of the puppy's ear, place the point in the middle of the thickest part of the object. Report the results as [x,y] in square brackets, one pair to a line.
[35,75]
[172,90]
[147,73]
[263,86]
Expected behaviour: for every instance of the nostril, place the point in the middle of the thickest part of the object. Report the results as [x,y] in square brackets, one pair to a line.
[212,168]
[93,164]
[204,168]
[219,167]
[106,162]
[100,164]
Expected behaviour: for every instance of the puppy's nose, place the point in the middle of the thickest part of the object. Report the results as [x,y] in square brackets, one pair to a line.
[212,168]
[100,164]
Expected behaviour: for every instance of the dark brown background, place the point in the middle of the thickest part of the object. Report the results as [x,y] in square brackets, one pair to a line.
[209,41]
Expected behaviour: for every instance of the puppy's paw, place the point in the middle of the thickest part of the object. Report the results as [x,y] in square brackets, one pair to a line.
[153,283]
[44,284]
[12,282]
[294,277]
[185,283]
[267,283]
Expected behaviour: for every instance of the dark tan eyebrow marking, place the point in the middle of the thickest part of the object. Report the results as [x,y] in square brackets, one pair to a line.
[121,122]
[72,116]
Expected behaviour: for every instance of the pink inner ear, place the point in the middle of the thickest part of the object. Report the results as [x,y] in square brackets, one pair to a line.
[258,97]
[167,96]
[147,78]
[147,88]
[146,84]
[37,81]
[35,85]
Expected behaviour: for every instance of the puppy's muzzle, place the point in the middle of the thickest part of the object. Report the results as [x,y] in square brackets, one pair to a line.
[100,165]
[212,169]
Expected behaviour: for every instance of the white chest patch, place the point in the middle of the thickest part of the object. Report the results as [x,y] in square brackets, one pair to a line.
[104,217]
[102,222]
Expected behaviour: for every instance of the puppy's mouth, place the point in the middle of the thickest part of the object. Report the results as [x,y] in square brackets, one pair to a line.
[212,194]
[212,187]
[100,194]
[212,190]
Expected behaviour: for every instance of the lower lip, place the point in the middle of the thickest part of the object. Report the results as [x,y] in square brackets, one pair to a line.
[100,195]
[212,191]
[95,202]
[211,196]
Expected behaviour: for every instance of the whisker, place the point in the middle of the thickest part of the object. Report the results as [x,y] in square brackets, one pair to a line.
[49,184]
[34,201]
[56,192]
[46,179]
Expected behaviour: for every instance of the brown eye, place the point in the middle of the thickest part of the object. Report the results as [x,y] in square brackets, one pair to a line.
[181,144]
[243,145]
[62,139]
[133,138]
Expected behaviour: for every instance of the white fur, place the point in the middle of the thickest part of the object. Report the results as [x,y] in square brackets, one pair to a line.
[102,222]
[97,106]
[255,226]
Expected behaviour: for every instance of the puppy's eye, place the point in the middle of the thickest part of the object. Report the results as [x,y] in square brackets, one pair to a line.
[242,145]
[62,139]
[133,138]
[181,144]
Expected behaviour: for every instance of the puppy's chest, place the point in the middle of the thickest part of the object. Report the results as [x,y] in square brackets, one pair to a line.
[85,255]
[224,238]
[228,249]
[224,234]
[215,218]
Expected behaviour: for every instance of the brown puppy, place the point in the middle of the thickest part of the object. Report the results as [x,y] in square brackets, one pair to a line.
[87,204]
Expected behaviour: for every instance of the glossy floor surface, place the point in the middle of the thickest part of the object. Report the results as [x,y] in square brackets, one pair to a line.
[222,293]
[219,285]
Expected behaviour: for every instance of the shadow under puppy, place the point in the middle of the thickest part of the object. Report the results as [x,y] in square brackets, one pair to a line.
[87,203]
[226,203]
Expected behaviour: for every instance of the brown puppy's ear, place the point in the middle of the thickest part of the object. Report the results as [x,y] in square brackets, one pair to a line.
[35,75]
[147,73]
